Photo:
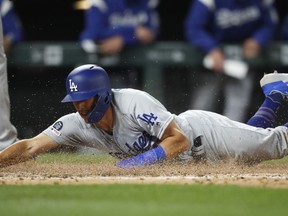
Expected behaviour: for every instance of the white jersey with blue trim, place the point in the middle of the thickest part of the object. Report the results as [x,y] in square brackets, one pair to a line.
[139,122]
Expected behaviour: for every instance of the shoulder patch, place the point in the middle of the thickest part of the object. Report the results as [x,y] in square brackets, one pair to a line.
[58,125]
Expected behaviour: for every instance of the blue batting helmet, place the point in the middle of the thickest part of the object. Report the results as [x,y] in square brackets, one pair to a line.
[88,81]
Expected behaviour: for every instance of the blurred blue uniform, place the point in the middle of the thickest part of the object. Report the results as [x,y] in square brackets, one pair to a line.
[107,18]
[112,25]
[11,24]
[209,24]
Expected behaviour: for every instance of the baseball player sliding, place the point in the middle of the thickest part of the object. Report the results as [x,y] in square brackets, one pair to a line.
[136,128]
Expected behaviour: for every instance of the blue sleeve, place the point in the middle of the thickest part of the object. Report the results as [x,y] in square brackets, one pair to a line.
[153,19]
[196,24]
[266,31]
[96,25]
[12,26]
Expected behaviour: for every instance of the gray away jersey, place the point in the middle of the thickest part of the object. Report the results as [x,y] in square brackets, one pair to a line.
[139,122]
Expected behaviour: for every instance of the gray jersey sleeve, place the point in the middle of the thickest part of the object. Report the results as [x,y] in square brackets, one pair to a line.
[66,130]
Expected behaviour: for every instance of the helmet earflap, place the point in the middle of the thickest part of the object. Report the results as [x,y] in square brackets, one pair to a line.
[101,106]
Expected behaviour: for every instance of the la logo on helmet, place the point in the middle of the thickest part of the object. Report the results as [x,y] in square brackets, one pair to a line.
[72,85]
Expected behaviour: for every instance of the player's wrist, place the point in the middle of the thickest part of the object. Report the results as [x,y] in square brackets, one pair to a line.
[150,157]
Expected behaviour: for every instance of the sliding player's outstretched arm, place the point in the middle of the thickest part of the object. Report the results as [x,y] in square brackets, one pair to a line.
[26,149]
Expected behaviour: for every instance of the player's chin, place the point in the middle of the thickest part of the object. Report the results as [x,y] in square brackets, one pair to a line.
[84,117]
[86,120]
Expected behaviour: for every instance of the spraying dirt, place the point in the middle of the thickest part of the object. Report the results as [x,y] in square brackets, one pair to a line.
[261,175]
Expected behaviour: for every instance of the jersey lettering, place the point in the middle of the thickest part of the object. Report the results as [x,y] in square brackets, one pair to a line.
[73,86]
[142,144]
[149,119]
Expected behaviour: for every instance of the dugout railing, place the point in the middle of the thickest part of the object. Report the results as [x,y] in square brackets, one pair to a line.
[151,59]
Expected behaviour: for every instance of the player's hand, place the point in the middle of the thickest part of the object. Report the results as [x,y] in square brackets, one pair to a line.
[7,42]
[218,60]
[251,48]
[112,45]
[144,35]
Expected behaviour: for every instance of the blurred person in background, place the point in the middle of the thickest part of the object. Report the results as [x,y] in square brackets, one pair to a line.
[211,23]
[111,25]
[284,29]
[282,10]
[12,29]
[10,33]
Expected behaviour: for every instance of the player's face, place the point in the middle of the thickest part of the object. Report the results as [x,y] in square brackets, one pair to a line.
[85,107]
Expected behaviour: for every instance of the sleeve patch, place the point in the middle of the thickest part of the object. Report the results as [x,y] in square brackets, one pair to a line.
[57,126]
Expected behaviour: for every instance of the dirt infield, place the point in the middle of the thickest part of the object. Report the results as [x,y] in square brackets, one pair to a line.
[262,175]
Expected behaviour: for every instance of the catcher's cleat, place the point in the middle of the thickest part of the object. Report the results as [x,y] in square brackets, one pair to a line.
[275,82]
